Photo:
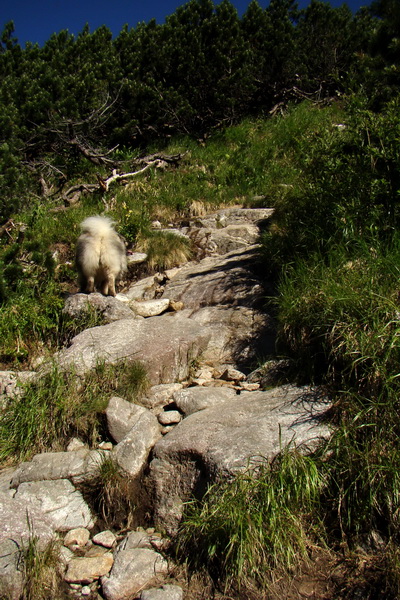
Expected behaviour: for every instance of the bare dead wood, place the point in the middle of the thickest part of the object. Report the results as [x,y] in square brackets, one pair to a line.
[169,159]
[105,183]
[91,155]
[72,195]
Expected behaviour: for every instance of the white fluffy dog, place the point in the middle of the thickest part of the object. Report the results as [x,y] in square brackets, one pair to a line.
[100,256]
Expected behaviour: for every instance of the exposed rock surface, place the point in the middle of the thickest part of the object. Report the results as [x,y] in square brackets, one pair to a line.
[63,505]
[165,344]
[215,443]
[224,280]
[110,308]
[78,466]
[87,569]
[133,569]
[18,522]
[165,592]
[132,452]
[11,570]
[150,308]
[198,360]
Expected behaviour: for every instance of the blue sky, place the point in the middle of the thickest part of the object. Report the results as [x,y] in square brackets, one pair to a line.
[37,20]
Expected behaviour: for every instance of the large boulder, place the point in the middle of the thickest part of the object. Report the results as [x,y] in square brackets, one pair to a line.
[222,241]
[166,345]
[110,308]
[225,438]
[79,465]
[233,216]
[239,334]
[63,505]
[222,280]
[21,522]
[136,430]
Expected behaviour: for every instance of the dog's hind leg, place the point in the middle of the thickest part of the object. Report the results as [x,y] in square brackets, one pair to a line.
[89,289]
[108,285]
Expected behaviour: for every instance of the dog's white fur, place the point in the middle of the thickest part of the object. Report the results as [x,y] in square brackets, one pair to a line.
[100,256]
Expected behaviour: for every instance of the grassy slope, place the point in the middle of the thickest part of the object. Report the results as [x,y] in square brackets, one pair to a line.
[333,248]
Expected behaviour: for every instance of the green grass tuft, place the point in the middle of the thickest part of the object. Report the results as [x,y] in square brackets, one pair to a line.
[58,406]
[257,522]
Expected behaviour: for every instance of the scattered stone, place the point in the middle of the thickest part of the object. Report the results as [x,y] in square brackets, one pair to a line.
[110,308]
[10,382]
[145,289]
[77,537]
[169,417]
[133,570]
[65,555]
[166,429]
[105,538]
[217,315]
[160,395]
[231,374]
[85,570]
[249,387]
[156,225]
[78,466]
[150,308]
[132,452]
[86,591]
[136,258]
[75,444]
[204,373]
[122,416]
[62,504]
[165,592]
[193,399]
[106,446]
[173,305]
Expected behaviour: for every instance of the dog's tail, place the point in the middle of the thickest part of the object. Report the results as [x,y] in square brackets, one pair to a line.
[97,226]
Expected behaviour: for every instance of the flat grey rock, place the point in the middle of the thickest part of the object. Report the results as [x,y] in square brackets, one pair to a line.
[193,399]
[165,592]
[166,346]
[222,280]
[220,441]
[133,570]
[59,501]
[110,308]
[78,466]
[19,522]
[132,452]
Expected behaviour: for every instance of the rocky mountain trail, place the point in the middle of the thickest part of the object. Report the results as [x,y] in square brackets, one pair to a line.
[199,330]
